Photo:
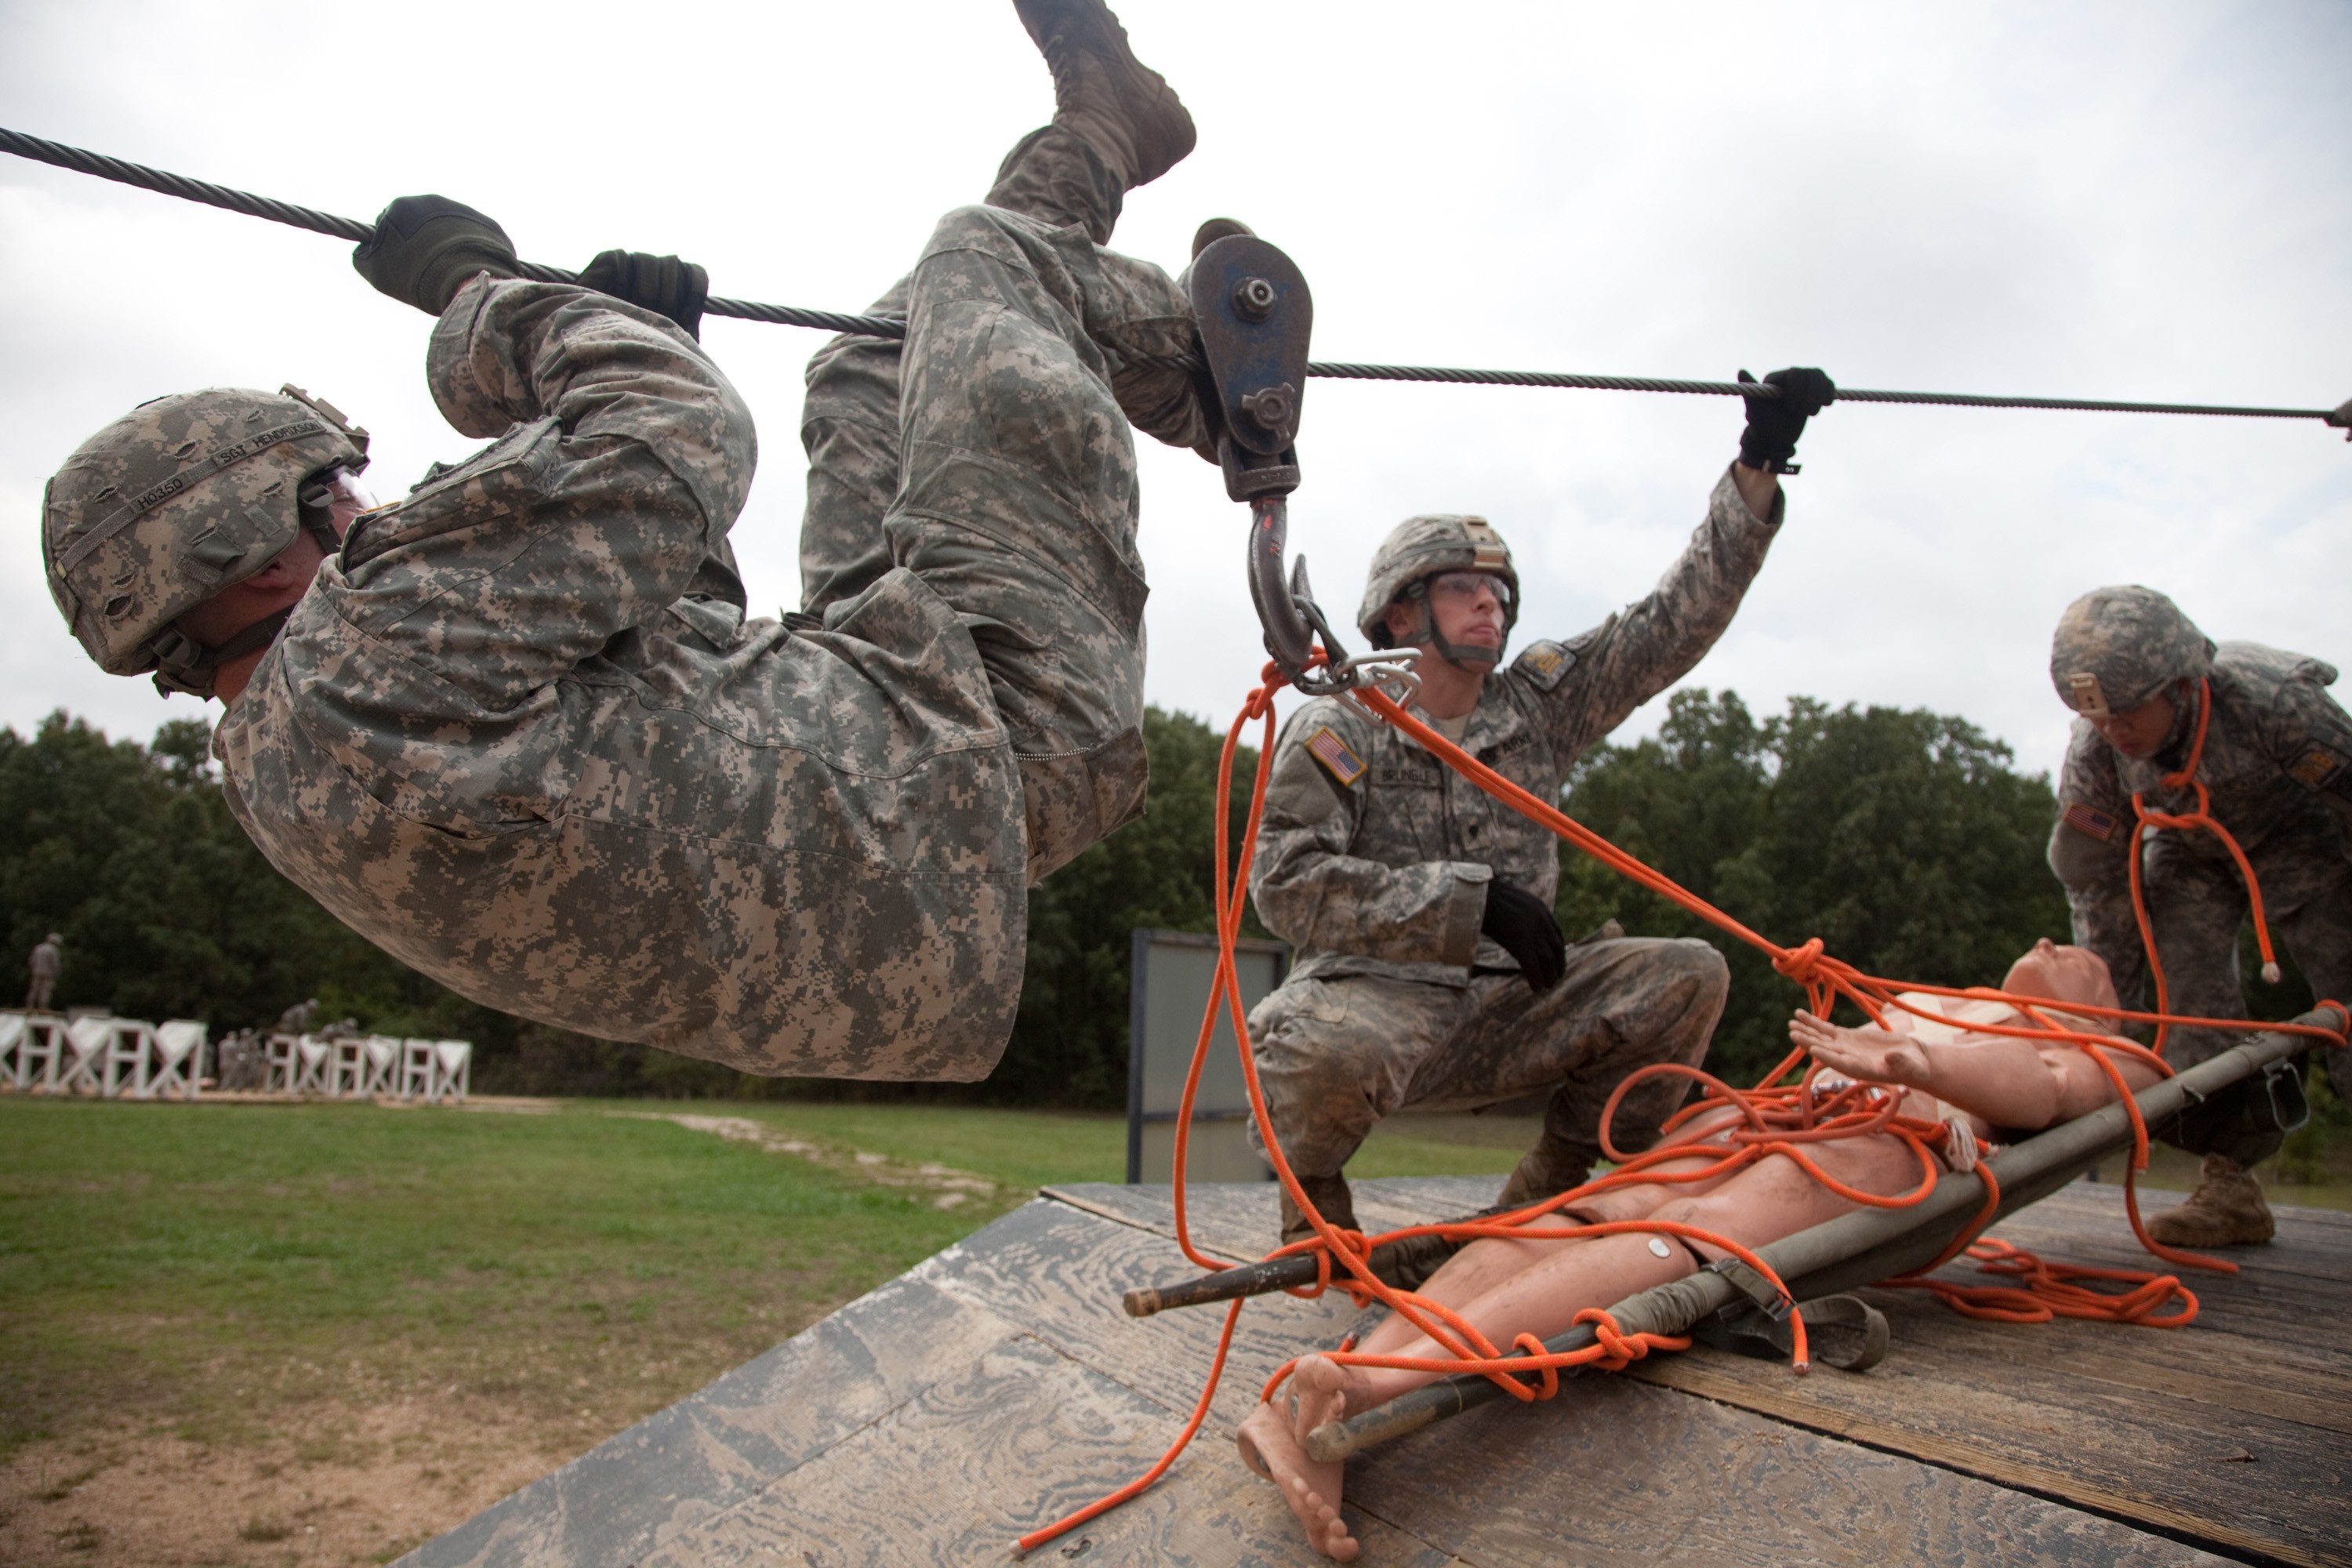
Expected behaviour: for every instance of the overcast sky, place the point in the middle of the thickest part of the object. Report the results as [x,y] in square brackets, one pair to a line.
[2134,200]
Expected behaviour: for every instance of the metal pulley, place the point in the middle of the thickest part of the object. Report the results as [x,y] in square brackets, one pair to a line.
[1255,313]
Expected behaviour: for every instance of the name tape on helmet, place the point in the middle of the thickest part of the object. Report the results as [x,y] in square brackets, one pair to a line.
[155,495]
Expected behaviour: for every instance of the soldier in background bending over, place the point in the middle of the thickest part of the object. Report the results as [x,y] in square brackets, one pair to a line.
[1431,973]
[517,729]
[2276,763]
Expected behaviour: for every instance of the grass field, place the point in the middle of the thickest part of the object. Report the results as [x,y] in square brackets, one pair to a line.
[268,1333]
[272,1334]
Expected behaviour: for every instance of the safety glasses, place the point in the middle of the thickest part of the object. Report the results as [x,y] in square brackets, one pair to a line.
[1470,585]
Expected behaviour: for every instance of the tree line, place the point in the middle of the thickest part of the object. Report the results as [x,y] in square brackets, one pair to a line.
[1905,840]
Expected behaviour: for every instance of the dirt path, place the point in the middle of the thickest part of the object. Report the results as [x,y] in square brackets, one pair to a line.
[349,1484]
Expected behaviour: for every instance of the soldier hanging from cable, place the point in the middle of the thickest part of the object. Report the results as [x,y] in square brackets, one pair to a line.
[2276,763]
[1431,973]
[517,729]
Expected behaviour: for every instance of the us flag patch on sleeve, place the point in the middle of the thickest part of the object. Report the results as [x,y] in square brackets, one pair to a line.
[1332,751]
[2089,820]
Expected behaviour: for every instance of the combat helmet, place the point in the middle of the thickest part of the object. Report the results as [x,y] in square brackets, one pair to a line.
[1418,549]
[174,502]
[2116,648]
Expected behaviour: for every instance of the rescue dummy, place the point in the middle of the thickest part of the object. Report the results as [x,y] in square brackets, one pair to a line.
[1430,973]
[2276,761]
[517,728]
[1510,1287]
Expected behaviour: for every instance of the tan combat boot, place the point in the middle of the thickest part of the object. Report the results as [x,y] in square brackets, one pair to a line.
[2226,1210]
[1332,1200]
[1125,110]
[1553,1165]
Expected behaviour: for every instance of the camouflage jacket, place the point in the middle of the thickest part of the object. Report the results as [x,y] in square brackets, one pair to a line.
[519,735]
[2278,766]
[1374,857]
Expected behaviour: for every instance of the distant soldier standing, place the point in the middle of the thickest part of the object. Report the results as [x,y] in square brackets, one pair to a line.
[2160,711]
[43,964]
[1431,973]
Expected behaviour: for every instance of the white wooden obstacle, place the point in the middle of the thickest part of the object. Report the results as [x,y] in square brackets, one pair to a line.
[347,1066]
[382,1065]
[314,1059]
[31,1045]
[175,1063]
[100,1055]
[453,1062]
[83,1065]
[416,1074]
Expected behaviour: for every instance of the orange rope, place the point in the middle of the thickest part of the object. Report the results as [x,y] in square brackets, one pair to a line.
[2190,821]
[1774,1122]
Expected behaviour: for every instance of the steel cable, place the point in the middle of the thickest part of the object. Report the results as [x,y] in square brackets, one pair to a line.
[81,161]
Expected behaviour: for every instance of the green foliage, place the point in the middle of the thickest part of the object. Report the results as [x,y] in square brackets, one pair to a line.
[1902,839]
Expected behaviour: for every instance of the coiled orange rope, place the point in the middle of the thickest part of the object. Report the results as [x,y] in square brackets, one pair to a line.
[1775,1122]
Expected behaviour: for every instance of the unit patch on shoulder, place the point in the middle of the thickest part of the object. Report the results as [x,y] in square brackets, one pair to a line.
[2316,767]
[1342,763]
[1545,662]
[2090,821]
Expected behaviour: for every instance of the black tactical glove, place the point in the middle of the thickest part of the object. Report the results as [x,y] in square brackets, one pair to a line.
[662,284]
[425,249]
[1775,423]
[1521,924]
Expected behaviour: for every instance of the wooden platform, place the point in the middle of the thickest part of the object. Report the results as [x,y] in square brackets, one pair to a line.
[997,1385]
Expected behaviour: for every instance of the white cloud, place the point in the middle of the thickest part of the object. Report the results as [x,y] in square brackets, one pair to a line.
[2147,201]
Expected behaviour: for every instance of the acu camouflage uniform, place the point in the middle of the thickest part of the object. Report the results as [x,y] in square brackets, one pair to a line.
[521,735]
[1374,859]
[2278,765]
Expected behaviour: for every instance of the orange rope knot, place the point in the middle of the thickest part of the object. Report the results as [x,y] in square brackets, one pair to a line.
[1621,1349]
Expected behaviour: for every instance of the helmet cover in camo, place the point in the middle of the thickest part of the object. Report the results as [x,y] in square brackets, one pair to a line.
[1419,548]
[173,502]
[2116,648]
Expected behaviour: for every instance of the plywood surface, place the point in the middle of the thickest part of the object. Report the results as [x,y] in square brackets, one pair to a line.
[999,1384]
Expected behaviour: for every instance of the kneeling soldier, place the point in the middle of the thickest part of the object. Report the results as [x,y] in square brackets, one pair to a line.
[1431,973]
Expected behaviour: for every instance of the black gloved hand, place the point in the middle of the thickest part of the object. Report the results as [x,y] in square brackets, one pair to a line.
[425,249]
[1521,924]
[662,284]
[1775,423]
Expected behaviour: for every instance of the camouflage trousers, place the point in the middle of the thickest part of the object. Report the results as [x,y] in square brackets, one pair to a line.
[36,995]
[2198,907]
[1337,1054]
[992,460]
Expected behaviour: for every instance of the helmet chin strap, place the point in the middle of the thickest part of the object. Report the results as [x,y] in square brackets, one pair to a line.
[1469,655]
